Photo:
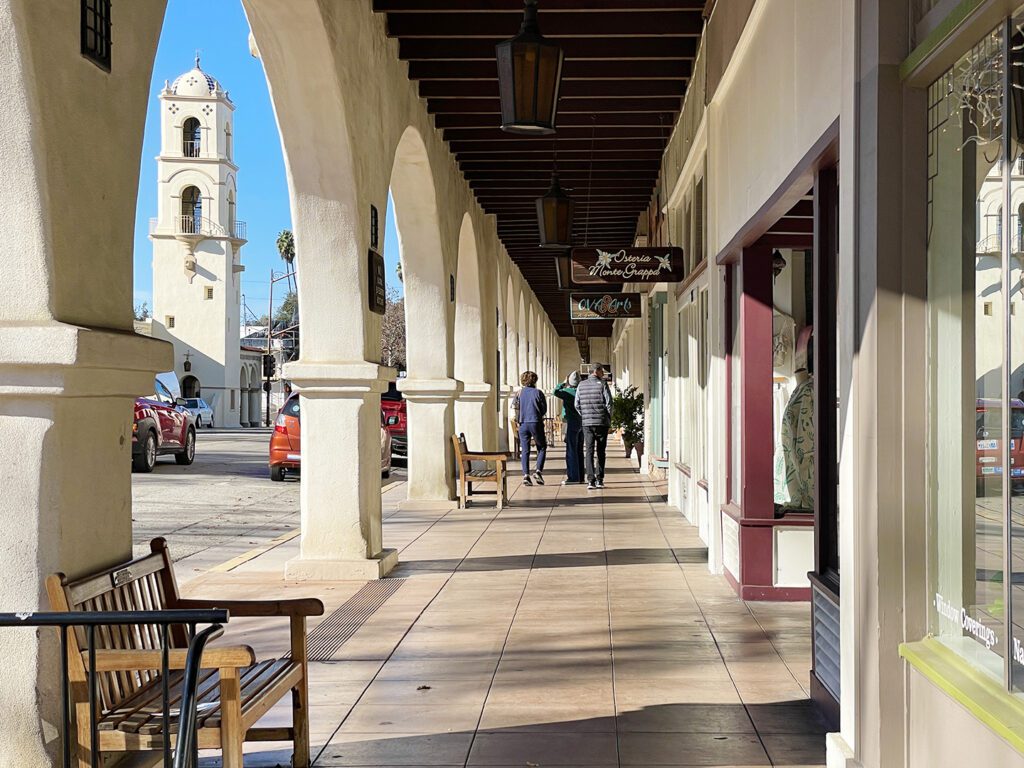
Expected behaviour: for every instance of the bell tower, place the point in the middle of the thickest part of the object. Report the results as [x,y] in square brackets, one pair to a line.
[197,241]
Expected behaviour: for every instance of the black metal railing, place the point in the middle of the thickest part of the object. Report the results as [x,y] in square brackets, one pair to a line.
[186,752]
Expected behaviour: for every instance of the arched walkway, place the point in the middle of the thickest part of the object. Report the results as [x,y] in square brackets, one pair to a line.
[474,411]
[429,387]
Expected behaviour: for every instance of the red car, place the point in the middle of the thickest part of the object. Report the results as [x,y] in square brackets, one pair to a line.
[286,442]
[163,425]
[989,414]
[394,407]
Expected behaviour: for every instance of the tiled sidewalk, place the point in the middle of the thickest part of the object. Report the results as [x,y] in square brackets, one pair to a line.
[571,629]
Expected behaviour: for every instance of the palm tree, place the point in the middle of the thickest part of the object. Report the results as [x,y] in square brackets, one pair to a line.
[286,248]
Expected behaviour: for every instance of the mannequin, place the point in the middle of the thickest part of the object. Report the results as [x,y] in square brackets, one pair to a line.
[794,463]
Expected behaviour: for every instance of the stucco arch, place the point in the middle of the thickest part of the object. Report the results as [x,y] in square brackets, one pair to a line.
[191,177]
[428,310]
[311,108]
[524,333]
[469,363]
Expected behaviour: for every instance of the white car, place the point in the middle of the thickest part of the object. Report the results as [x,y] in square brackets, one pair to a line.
[202,412]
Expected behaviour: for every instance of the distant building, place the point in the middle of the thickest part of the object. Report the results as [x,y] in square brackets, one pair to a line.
[197,240]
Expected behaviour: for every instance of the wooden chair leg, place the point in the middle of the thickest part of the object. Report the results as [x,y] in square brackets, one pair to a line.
[499,488]
[462,493]
[232,736]
[300,695]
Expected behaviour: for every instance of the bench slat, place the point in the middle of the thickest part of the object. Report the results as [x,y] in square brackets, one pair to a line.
[142,713]
[93,586]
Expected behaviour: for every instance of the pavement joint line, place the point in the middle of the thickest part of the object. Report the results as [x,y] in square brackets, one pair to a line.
[512,621]
[704,619]
[252,554]
[412,624]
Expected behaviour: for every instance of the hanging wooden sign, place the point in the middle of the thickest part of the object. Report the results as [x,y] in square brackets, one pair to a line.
[592,266]
[377,290]
[607,306]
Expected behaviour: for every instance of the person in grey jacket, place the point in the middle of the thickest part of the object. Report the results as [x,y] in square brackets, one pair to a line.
[594,403]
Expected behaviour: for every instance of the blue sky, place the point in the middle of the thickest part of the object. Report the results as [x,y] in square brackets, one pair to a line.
[223,42]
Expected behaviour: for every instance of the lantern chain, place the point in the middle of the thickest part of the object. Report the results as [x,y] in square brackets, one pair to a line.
[590,180]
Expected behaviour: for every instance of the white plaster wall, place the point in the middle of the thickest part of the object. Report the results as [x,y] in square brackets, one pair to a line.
[941,733]
[782,86]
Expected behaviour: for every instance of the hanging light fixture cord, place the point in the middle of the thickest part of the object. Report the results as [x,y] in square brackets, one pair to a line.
[590,179]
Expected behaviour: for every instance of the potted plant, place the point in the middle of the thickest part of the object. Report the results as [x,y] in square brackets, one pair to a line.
[628,418]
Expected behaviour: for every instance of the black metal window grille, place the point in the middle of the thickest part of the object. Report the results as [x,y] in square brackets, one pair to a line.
[96,32]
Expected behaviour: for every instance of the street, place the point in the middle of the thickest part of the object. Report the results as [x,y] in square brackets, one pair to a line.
[221,507]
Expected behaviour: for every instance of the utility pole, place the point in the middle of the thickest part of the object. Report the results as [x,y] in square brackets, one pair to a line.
[267,371]
[269,363]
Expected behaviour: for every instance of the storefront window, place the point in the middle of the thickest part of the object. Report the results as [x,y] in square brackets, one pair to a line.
[976,419]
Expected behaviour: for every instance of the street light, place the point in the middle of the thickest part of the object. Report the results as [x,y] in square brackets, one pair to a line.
[529,75]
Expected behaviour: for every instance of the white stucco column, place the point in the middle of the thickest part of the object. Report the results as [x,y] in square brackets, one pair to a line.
[340,498]
[504,439]
[66,395]
[431,414]
[475,415]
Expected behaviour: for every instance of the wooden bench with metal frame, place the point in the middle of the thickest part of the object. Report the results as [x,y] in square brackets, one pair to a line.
[468,476]
[234,691]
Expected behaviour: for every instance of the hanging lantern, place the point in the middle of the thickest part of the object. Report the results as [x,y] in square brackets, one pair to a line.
[554,217]
[529,74]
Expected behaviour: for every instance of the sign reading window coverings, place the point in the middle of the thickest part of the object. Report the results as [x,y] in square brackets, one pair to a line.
[593,266]
[607,306]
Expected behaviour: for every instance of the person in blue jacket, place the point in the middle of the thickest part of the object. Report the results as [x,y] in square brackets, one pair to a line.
[566,392]
[531,407]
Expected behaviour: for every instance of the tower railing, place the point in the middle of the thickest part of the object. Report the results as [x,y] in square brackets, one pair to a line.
[199,226]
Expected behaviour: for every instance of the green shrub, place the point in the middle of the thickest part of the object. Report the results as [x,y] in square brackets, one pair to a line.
[628,414]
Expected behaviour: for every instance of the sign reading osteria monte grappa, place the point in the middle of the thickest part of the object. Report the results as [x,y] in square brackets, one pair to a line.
[604,306]
[592,266]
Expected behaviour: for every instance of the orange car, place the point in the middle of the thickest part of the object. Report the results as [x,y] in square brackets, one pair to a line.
[286,442]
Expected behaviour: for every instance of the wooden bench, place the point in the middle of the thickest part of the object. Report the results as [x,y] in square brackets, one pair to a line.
[464,458]
[234,689]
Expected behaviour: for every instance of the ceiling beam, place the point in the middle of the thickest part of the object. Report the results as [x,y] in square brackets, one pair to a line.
[553,24]
[494,133]
[567,147]
[609,119]
[627,90]
[489,106]
[482,49]
[516,6]
[573,69]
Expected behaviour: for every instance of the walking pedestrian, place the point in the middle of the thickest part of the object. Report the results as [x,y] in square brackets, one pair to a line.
[594,403]
[531,407]
[566,392]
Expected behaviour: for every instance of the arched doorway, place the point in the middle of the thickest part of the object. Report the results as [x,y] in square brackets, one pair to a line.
[190,387]
[243,396]
[191,210]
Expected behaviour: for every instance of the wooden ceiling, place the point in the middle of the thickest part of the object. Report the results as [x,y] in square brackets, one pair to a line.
[627,65]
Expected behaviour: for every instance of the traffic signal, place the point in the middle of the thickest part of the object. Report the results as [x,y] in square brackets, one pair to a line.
[269,366]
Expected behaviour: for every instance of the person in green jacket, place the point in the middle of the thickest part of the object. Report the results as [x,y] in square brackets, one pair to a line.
[566,392]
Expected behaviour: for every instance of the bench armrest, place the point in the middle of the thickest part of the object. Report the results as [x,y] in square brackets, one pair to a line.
[302,606]
[487,456]
[117,660]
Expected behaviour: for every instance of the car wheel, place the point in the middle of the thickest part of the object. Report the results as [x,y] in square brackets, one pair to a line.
[277,474]
[188,455]
[199,422]
[146,459]
[385,474]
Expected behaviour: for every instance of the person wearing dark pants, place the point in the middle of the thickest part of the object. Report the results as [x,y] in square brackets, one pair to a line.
[566,392]
[595,444]
[594,403]
[531,406]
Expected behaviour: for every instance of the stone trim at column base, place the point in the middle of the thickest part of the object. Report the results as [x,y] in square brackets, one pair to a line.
[427,505]
[298,569]
[838,753]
